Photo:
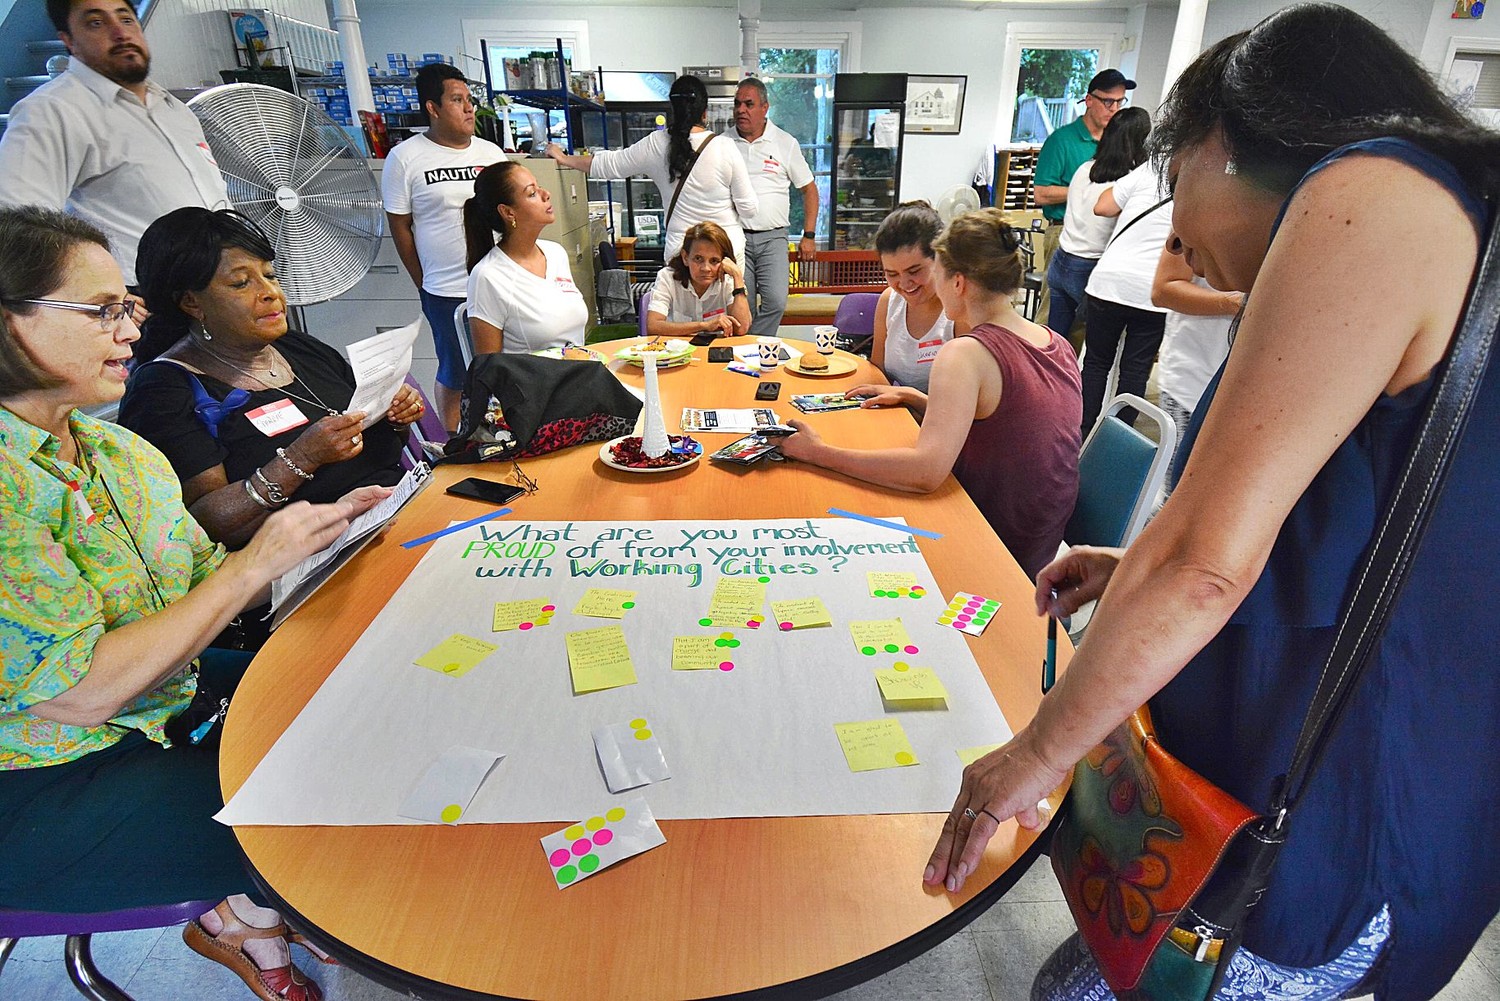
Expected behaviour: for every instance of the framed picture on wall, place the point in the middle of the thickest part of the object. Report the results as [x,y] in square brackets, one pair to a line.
[935,104]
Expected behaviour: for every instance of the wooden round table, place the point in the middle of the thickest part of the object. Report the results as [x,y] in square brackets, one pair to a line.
[785,906]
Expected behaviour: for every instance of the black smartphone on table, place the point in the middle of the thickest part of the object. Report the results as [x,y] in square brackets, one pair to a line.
[703,339]
[768,391]
[489,491]
[721,356]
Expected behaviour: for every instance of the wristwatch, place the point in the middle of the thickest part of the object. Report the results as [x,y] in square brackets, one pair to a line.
[739,290]
[809,235]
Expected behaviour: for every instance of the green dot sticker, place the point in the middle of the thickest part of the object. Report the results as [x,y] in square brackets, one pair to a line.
[764,580]
[705,622]
[868,651]
[566,875]
[733,643]
[628,604]
[589,863]
[451,813]
[721,643]
[892,648]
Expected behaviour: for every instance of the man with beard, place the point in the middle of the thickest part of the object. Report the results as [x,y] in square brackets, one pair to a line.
[102,141]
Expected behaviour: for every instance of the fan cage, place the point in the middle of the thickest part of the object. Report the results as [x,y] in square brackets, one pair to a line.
[297,174]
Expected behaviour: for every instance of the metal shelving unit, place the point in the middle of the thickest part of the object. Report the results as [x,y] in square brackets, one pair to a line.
[560,100]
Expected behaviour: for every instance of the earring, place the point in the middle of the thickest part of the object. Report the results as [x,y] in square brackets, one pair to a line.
[1230,167]
[206,335]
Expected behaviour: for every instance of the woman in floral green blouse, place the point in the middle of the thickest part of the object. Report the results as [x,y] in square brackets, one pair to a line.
[109,591]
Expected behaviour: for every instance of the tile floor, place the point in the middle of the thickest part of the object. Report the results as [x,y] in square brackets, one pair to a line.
[993,959]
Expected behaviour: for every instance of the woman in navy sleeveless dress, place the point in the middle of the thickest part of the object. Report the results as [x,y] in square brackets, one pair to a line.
[1316,165]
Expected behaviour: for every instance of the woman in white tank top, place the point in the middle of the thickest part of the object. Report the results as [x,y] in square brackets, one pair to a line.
[910,325]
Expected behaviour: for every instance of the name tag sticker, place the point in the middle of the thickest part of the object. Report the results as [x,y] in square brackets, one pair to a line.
[927,350]
[208,154]
[565,285]
[81,503]
[276,418]
[769,166]
[713,312]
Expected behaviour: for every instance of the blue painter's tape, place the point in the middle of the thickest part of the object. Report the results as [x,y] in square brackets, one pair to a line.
[454,528]
[924,533]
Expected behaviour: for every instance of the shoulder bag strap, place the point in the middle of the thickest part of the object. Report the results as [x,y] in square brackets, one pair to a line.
[1121,231]
[1399,534]
[677,192]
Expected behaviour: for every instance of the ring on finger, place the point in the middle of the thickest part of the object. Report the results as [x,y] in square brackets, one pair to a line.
[969,813]
[354,440]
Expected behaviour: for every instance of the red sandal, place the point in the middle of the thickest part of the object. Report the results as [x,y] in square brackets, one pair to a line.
[284,983]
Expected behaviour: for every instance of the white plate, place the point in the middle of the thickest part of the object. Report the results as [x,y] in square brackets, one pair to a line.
[836,366]
[674,352]
[609,460]
[556,352]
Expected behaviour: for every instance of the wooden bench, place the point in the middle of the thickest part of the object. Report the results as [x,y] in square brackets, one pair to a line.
[816,285]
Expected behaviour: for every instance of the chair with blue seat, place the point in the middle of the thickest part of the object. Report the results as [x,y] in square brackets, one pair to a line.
[643,306]
[855,320]
[1120,473]
[79,928]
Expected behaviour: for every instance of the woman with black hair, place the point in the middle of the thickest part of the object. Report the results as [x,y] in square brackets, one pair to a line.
[1122,148]
[249,413]
[706,179]
[521,292]
[1303,153]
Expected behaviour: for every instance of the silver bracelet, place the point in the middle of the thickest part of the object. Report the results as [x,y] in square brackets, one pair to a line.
[302,474]
[274,492]
[251,493]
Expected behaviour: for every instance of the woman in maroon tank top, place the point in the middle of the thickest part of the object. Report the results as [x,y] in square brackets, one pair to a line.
[1003,409]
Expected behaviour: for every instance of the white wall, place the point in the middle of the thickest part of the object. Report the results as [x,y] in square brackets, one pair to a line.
[1441,29]
[190,40]
[1405,20]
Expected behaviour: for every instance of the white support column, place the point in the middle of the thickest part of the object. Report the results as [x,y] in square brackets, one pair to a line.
[749,37]
[1187,40]
[356,66]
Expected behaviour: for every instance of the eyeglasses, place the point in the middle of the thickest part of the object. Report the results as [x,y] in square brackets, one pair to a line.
[523,481]
[1111,102]
[110,314]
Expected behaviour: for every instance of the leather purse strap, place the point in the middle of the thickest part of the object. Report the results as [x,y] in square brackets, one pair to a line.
[1121,231]
[677,192]
[1399,535]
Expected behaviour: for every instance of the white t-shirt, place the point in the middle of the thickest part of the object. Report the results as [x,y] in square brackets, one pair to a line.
[533,313]
[1192,349]
[776,165]
[83,143]
[680,304]
[716,190]
[430,182]
[908,360]
[1125,271]
[1085,234]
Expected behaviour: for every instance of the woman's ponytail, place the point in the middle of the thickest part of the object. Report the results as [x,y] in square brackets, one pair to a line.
[689,104]
[492,189]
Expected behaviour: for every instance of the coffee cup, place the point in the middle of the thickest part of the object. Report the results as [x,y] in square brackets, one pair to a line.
[825,337]
[770,351]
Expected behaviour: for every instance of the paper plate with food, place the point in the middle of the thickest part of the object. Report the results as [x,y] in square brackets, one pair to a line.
[571,352]
[625,454]
[817,364]
[670,352]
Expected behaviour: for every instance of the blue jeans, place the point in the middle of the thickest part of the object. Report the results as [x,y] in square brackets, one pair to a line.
[766,275]
[439,312]
[1067,276]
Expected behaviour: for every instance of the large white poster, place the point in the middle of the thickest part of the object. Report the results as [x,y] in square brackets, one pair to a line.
[748,717]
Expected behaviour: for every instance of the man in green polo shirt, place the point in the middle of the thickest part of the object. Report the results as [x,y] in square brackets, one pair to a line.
[1065,150]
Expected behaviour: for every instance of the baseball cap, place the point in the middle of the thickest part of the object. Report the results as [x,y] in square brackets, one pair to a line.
[1110,79]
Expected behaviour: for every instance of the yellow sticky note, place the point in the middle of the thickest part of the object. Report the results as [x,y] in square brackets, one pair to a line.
[602,603]
[456,655]
[881,636]
[969,755]
[522,614]
[801,612]
[893,584]
[878,743]
[599,659]
[911,687]
[737,601]
[696,653]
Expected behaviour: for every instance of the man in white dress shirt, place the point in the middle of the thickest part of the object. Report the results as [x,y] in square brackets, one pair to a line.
[102,141]
[775,163]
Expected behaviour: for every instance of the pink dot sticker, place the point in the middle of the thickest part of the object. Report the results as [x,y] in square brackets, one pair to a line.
[559,857]
[786,626]
[964,616]
[753,624]
[604,837]
[549,608]
[524,625]
[911,648]
[582,846]
[727,665]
